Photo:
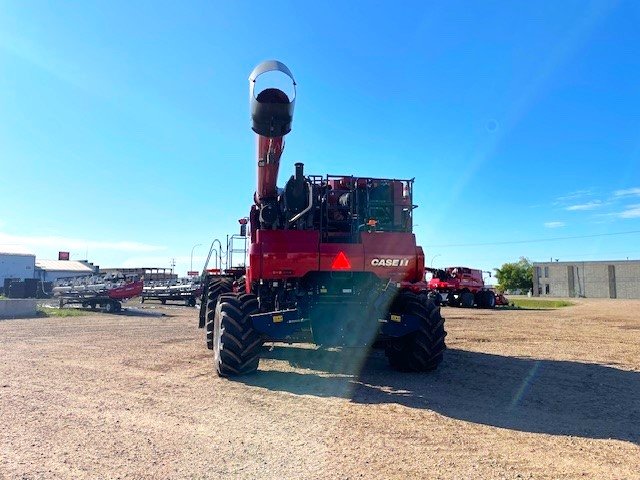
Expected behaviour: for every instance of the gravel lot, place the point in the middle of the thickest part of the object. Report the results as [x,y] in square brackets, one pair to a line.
[521,394]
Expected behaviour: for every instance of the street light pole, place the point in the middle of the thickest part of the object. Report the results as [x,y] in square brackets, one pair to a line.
[434,257]
[192,249]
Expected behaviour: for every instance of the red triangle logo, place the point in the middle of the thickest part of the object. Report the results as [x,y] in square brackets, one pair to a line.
[341,262]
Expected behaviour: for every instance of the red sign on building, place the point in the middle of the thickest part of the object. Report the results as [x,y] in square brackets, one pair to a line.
[63,255]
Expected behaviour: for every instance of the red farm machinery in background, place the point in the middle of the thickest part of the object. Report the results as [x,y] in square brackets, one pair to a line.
[462,287]
[104,291]
[332,259]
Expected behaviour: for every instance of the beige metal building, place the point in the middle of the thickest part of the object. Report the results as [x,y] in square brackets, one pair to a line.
[598,279]
[52,270]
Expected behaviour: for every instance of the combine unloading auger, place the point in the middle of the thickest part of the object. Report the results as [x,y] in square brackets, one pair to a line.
[271,115]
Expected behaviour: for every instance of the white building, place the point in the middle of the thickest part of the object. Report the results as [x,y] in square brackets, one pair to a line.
[16,265]
[52,270]
[591,279]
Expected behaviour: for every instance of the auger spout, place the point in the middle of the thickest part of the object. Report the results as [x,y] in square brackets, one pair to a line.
[271,115]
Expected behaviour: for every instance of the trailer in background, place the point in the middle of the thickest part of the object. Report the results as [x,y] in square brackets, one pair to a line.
[98,291]
[186,293]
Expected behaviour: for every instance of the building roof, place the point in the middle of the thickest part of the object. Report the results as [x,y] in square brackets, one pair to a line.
[586,262]
[63,266]
[16,254]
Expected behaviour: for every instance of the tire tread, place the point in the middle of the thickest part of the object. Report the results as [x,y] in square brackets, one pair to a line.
[422,350]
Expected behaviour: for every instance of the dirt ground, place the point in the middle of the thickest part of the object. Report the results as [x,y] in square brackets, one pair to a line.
[520,394]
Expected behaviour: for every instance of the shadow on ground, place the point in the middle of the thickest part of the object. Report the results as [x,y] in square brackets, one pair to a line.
[542,396]
[141,312]
[528,309]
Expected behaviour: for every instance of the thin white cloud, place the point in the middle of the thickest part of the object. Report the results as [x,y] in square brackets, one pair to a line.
[11,248]
[62,243]
[627,192]
[574,196]
[584,206]
[554,224]
[632,211]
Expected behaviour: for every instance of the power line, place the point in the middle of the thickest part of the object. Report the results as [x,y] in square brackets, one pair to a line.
[597,254]
[538,240]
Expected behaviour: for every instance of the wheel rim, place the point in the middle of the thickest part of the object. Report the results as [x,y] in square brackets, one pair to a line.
[218,329]
[217,344]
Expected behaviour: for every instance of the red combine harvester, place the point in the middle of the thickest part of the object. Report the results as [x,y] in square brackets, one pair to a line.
[462,287]
[332,259]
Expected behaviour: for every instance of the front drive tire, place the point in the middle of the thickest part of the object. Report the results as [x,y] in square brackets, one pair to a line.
[422,350]
[236,344]
[467,299]
[208,304]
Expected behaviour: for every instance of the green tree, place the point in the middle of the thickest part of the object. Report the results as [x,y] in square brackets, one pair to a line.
[518,275]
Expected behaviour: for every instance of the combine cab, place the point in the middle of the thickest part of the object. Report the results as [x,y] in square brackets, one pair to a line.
[332,259]
[461,287]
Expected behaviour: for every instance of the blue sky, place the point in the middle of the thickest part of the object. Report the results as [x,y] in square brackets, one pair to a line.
[124,126]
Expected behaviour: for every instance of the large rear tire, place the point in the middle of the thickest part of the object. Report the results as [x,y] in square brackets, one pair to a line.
[236,344]
[467,299]
[422,350]
[481,298]
[490,300]
[208,303]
